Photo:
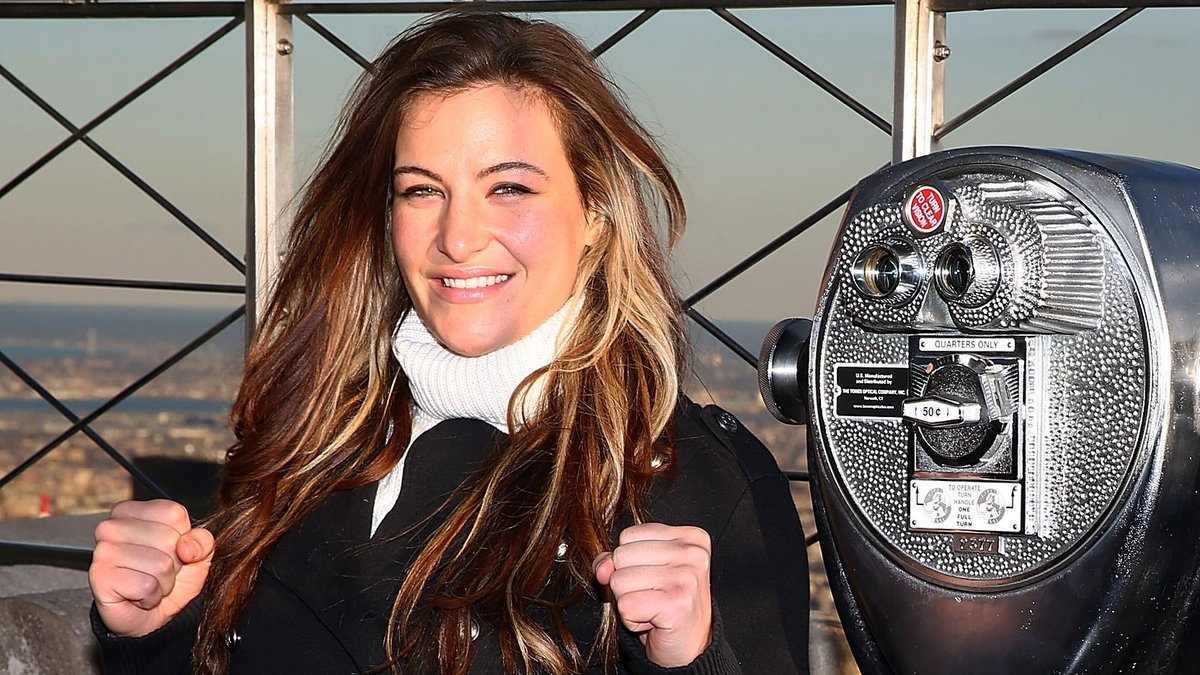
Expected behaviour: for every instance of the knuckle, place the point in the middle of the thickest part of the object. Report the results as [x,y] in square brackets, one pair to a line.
[144,586]
[627,606]
[161,565]
[174,511]
[106,531]
[697,556]
[121,507]
[102,555]
[699,536]
[616,583]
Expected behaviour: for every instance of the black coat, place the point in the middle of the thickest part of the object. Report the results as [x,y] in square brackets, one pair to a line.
[321,601]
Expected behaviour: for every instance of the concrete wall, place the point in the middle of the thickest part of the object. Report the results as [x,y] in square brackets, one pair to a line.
[44,626]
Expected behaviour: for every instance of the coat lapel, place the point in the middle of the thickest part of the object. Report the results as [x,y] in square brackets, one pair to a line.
[350,579]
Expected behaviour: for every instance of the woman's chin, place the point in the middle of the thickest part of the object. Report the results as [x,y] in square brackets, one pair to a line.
[471,345]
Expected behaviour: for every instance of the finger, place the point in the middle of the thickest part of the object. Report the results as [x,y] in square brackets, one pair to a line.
[661,532]
[127,585]
[602,567]
[114,563]
[164,511]
[676,582]
[195,546]
[654,552]
[136,532]
[639,610]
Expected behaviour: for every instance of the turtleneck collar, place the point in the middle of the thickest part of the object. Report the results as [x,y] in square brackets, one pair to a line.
[446,385]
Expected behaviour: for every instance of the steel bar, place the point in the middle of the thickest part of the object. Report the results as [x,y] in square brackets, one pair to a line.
[974,5]
[769,248]
[124,394]
[334,40]
[115,107]
[145,187]
[270,135]
[118,10]
[623,31]
[724,337]
[799,66]
[52,555]
[526,6]
[798,476]
[918,91]
[1038,70]
[123,283]
[202,8]
[66,412]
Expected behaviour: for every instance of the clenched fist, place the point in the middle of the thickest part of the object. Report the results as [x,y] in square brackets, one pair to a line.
[148,564]
[658,575]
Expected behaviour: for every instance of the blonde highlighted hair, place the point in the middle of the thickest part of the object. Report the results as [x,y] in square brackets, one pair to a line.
[321,388]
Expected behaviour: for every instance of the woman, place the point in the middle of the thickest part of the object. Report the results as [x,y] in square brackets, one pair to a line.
[461,440]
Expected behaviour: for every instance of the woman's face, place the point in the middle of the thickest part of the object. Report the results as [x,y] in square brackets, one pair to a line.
[487,222]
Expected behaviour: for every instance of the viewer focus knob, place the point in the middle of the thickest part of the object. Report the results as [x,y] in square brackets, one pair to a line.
[783,370]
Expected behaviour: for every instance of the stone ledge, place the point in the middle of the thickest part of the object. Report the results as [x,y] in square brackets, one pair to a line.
[47,633]
[24,579]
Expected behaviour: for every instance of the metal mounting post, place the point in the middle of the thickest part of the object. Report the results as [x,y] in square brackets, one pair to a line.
[920,55]
[269,164]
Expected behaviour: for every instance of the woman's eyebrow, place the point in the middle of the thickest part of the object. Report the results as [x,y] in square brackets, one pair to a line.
[511,166]
[409,168]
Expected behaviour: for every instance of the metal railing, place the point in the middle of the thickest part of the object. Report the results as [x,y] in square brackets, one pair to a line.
[916,128]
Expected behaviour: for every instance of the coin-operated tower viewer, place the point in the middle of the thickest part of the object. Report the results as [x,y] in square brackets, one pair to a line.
[1000,383]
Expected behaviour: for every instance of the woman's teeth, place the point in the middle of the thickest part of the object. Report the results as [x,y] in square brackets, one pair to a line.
[474,282]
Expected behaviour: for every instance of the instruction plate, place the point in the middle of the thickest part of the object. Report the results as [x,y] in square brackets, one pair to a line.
[970,505]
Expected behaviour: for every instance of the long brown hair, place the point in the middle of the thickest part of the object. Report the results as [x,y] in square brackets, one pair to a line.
[320,386]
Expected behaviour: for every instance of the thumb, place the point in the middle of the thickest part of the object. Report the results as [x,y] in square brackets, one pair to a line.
[196,545]
[602,567]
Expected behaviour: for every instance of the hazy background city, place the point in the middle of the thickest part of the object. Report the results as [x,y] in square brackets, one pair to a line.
[757,148]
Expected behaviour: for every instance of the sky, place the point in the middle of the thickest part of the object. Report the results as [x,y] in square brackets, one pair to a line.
[756,146]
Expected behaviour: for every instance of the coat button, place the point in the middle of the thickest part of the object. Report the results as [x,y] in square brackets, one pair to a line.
[656,462]
[727,422]
[232,638]
[561,554]
[474,629]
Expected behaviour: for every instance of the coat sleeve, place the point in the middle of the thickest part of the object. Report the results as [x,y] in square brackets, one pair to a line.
[166,651]
[716,659]
[759,567]
[760,593]
[760,581]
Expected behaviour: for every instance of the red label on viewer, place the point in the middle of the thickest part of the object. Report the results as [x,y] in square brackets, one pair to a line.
[925,210]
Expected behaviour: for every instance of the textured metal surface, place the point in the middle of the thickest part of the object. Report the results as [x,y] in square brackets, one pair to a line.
[1063,283]
[1106,443]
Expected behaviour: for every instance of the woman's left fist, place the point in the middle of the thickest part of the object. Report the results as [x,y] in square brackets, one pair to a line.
[658,576]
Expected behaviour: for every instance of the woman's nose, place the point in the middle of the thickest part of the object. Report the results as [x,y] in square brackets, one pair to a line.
[463,231]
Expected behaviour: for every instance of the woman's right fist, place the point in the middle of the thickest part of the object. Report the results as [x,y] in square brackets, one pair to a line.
[148,564]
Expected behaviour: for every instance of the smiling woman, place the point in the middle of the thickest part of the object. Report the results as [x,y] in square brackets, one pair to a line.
[488,223]
[462,444]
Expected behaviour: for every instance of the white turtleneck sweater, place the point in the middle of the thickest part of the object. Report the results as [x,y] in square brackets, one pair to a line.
[447,386]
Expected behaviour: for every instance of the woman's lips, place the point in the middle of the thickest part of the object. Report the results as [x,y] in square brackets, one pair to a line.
[478,288]
[474,282]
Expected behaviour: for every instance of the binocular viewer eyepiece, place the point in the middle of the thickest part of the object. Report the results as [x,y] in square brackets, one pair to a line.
[1000,386]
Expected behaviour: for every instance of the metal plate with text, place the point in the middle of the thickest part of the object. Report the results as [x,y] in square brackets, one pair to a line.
[977,506]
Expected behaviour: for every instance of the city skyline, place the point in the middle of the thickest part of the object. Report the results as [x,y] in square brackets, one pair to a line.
[756,147]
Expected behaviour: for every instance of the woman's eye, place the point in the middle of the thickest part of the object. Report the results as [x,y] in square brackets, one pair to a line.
[511,189]
[419,191]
